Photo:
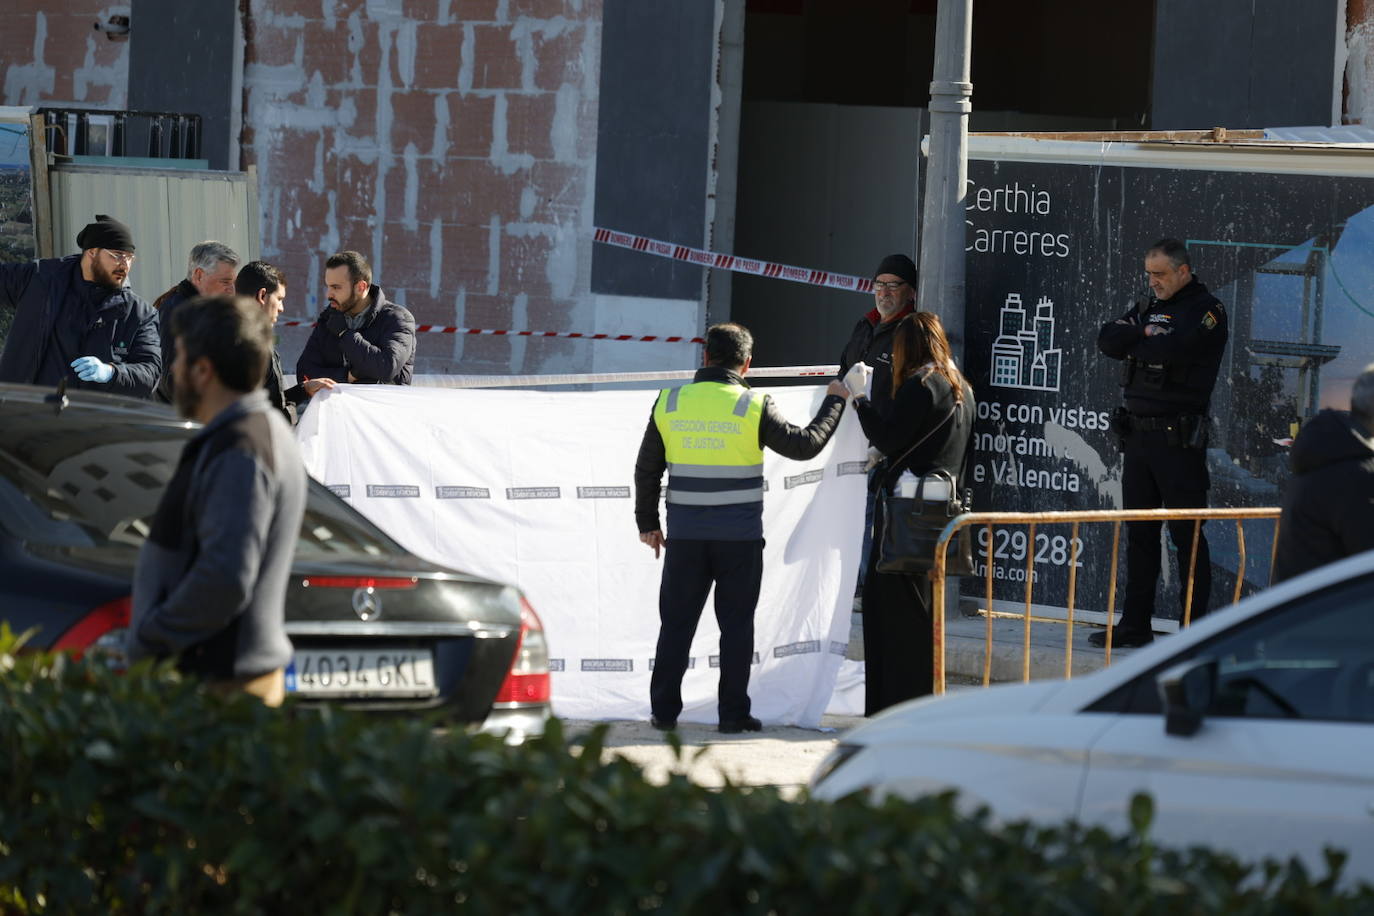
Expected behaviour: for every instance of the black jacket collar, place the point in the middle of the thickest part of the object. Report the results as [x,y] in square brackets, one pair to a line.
[719,374]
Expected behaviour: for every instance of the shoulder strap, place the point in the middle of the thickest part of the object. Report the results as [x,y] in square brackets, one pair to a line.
[968,458]
[930,432]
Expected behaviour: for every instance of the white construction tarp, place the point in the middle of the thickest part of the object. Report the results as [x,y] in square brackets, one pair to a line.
[536,489]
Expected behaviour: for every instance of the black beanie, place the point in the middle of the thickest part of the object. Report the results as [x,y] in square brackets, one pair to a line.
[105,232]
[899,265]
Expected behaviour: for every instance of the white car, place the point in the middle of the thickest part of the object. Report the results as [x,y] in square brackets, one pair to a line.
[1253,730]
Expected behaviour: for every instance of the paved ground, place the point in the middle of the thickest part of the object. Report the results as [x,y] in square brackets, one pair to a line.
[781,756]
[785,756]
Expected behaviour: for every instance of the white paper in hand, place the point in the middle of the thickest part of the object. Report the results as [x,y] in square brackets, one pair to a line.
[859,379]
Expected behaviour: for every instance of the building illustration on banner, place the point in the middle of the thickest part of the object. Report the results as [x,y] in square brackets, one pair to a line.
[1023,354]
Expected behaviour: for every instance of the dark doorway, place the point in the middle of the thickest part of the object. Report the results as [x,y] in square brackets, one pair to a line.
[833,115]
[1075,59]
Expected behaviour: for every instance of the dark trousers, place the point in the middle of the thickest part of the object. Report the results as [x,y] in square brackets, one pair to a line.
[898,634]
[869,498]
[1159,475]
[689,569]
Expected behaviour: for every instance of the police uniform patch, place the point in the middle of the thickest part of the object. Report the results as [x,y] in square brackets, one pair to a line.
[1209,321]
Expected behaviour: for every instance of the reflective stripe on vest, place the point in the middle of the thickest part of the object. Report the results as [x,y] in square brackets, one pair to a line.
[710,436]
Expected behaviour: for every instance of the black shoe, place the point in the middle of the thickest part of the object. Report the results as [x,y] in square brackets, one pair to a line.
[1122,639]
[663,725]
[735,726]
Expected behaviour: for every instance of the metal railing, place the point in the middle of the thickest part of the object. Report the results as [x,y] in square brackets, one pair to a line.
[101,132]
[989,520]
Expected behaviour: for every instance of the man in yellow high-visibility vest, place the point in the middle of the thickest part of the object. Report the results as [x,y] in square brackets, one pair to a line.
[709,436]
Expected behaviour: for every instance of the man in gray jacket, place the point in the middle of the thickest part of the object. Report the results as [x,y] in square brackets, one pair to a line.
[210,586]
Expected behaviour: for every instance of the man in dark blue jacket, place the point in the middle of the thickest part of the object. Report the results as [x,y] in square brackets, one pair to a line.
[360,336]
[74,318]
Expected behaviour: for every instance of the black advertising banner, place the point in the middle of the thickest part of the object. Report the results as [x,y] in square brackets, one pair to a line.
[1056,249]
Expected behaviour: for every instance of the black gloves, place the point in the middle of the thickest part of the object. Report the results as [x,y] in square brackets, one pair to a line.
[334,322]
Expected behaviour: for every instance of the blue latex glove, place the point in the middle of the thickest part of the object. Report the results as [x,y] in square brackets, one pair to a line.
[91,369]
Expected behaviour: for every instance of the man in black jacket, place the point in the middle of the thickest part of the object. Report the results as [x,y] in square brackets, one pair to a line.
[75,320]
[266,285]
[360,336]
[210,271]
[1328,506]
[894,297]
[1170,346]
[710,436]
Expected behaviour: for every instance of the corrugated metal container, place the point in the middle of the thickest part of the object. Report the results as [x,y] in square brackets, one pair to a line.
[169,210]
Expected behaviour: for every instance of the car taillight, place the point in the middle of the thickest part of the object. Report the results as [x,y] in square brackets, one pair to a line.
[359,582]
[102,630]
[528,678]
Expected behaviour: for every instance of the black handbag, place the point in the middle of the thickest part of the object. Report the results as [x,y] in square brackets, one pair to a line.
[912,525]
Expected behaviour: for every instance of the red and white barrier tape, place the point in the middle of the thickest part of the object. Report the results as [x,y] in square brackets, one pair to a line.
[666,250]
[524,381]
[575,335]
[665,375]
[720,261]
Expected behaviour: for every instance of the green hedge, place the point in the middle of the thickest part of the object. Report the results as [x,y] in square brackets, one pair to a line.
[142,794]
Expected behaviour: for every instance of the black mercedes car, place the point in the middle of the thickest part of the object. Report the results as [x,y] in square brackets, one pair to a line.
[373,625]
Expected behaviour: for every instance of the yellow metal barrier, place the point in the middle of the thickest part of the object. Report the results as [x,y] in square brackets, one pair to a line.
[1034,519]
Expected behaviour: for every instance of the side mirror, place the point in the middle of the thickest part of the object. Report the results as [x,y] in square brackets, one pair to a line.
[1186,691]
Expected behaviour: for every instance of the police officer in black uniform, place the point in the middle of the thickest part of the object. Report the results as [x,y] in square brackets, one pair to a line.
[1170,346]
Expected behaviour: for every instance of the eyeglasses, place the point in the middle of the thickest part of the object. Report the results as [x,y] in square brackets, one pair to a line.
[890,285]
[121,257]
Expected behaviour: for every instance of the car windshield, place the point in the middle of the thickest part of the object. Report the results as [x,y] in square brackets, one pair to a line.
[96,486]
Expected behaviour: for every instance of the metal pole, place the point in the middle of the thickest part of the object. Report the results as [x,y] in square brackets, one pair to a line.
[942,219]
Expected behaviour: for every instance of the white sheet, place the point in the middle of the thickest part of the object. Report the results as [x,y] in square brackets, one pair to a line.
[538,494]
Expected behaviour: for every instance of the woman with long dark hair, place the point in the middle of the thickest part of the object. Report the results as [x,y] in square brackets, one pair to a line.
[932,408]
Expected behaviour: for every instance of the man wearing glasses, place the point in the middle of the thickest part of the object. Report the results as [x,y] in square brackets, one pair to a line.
[76,320]
[894,297]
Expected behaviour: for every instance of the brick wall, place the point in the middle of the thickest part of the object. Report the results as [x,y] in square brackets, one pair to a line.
[1358,93]
[51,54]
[452,143]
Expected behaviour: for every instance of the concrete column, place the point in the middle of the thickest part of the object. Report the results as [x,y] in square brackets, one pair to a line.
[942,220]
[727,93]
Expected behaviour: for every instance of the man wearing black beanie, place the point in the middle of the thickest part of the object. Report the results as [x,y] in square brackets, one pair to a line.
[894,297]
[75,319]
